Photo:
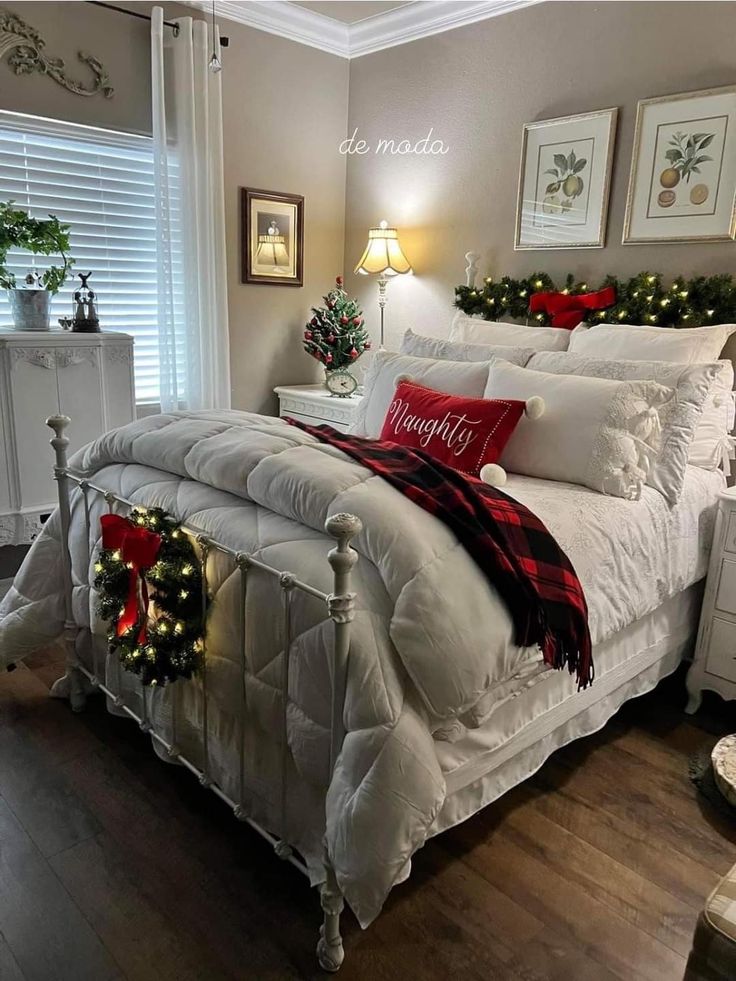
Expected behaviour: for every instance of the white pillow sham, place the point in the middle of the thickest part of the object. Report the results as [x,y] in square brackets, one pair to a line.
[595,432]
[684,345]
[474,330]
[453,377]
[711,446]
[679,417]
[421,346]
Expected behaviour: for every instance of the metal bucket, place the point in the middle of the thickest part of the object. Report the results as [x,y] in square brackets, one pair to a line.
[30,309]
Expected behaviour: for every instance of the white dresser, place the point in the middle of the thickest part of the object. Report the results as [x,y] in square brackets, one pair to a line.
[314,405]
[88,377]
[714,664]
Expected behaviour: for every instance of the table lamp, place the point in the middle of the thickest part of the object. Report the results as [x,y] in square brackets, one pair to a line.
[383,257]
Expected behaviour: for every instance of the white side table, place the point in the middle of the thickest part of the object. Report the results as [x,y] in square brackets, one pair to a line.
[714,663]
[314,405]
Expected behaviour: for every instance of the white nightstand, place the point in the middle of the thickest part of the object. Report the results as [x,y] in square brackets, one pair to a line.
[714,664]
[313,404]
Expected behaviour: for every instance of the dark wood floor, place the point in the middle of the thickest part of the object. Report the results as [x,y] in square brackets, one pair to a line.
[114,865]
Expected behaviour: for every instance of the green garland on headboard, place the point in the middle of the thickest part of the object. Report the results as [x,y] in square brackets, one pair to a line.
[643,299]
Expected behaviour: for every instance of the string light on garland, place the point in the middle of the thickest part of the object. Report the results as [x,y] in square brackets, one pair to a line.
[155,625]
[691,303]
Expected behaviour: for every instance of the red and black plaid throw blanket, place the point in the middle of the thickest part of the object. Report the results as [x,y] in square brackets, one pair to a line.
[513,548]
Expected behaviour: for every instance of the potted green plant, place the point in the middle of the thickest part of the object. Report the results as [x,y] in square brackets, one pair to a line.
[42,236]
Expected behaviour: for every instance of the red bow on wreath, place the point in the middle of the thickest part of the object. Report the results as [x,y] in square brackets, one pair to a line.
[566,310]
[138,549]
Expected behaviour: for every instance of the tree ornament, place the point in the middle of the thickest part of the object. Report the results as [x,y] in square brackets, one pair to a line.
[149,583]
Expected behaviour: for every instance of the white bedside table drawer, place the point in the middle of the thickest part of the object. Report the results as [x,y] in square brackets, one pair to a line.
[730,542]
[721,660]
[314,405]
[316,421]
[726,595]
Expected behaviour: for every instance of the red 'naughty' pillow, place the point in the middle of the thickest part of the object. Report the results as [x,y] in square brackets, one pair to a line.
[464,433]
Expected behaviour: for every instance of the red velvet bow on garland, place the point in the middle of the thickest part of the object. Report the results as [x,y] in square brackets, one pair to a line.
[138,549]
[566,310]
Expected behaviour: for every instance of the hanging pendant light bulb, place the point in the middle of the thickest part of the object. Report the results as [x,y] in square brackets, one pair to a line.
[215,64]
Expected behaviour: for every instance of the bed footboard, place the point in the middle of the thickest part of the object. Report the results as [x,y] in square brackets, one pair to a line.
[340,606]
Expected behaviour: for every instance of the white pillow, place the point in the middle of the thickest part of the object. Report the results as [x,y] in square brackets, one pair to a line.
[434,347]
[594,431]
[711,445]
[453,377]
[473,330]
[685,345]
[679,417]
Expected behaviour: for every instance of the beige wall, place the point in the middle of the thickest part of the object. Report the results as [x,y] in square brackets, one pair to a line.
[285,112]
[477,86]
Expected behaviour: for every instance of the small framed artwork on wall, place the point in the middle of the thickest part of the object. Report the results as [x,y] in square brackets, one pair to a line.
[564,181]
[682,186]
[272,237]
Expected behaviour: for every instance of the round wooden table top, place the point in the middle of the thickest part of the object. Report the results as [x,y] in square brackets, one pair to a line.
[723,759]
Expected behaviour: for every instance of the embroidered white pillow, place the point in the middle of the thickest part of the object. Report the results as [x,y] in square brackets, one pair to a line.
[679,417]
[421,346]
[595,432]
[474,330]
[453,377]
[685,345]
[711,446]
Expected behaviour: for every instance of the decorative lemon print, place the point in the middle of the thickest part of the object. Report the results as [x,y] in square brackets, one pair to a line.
[669,177]
[699,194]
[666,199]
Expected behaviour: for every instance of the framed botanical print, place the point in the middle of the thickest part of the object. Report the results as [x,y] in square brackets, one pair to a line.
[682,186]
[272,229]
[564,181]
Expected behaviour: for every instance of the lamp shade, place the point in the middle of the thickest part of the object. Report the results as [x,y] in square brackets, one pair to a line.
[383,255]
[272,248]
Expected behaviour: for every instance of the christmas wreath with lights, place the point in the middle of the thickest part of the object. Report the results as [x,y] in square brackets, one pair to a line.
[149,582]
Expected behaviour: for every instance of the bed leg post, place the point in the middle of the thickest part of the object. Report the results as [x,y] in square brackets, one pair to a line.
[341,606]
[72,685]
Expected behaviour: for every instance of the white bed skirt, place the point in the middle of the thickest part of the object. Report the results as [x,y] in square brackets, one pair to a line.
[530,725]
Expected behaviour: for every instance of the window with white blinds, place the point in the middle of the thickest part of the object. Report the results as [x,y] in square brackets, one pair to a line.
[100,183]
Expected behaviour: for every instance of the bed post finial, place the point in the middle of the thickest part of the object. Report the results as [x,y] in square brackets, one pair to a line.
[341,605]
[471,270]
[71,686]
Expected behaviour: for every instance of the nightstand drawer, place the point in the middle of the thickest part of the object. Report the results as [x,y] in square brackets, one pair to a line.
[726,595]
[721,659]
[317,421]
[730,542]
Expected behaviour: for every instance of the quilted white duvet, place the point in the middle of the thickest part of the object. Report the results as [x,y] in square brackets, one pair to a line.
[430,643]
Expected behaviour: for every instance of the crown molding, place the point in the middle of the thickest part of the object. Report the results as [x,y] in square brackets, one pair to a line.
[421,19]
[409,23]
[285,19]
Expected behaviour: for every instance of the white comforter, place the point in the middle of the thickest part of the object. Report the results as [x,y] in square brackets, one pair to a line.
[431,640]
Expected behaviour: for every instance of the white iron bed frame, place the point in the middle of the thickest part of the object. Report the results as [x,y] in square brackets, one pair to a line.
[340,606]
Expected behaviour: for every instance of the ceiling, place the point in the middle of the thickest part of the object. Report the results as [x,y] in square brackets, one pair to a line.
[350,11]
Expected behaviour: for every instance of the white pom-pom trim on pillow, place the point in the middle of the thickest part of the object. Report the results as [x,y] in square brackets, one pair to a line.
[534,408]
[493,475]
[402,378]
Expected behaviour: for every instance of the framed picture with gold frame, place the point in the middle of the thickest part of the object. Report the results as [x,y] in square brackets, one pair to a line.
[564,181]
[272,237]
[682,186]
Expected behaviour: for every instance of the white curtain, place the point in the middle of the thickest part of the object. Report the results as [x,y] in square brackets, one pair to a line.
[190,212]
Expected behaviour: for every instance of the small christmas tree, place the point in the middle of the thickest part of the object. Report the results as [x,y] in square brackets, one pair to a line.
[336,334]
